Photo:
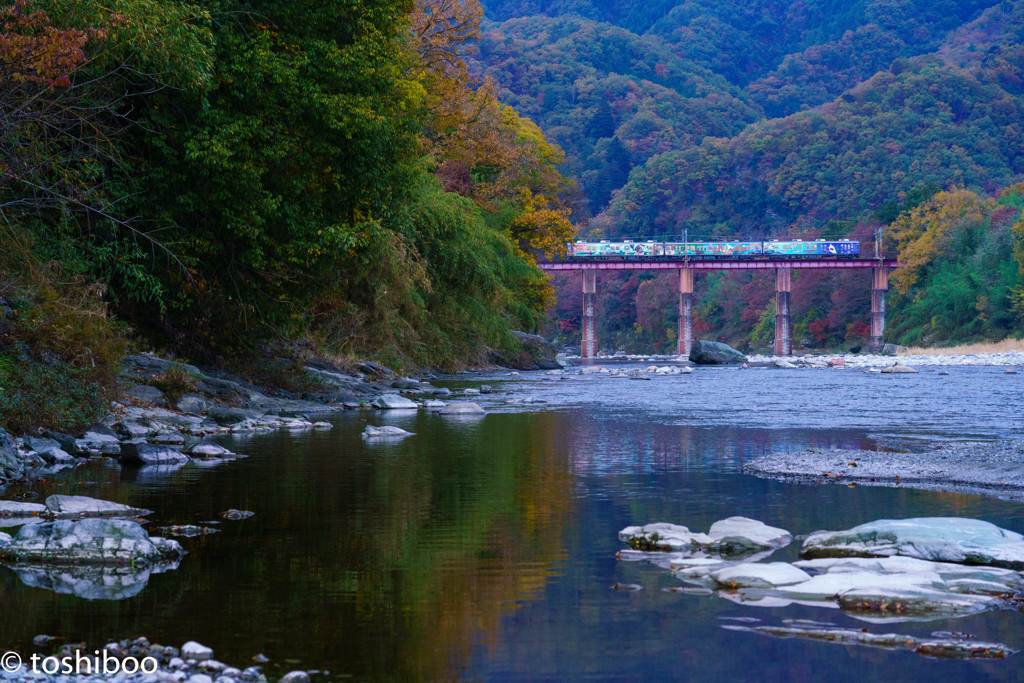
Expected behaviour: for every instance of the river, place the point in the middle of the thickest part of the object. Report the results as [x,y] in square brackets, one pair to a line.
[484,548]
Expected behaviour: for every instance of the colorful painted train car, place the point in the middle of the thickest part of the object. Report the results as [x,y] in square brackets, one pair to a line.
[654,250]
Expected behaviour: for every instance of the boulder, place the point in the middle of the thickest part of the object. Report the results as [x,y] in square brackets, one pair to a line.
[206,449]
[145,393]
[462,408]
[89,541]
[714,353]
[939,539]
[393,402]
[146,367]
[40,444]
[662,536]
[56,455]
[193,650]
[226,417]
[535,353]
[386,431]
[150,454]
[76,506]
[11,464]
[738,533]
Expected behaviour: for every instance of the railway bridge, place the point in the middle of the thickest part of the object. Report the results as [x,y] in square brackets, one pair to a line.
[687,268]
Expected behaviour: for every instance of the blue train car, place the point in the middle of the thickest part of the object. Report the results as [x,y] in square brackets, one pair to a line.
[651,249]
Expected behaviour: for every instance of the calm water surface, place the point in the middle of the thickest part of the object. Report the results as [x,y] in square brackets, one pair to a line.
[484,549]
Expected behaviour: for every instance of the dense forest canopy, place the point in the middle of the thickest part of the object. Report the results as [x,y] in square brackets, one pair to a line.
[314,177]
[770,118]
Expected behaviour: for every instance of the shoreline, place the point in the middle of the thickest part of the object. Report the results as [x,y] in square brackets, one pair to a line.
[994,469]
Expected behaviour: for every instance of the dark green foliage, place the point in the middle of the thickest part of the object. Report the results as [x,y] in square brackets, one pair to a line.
[48,395]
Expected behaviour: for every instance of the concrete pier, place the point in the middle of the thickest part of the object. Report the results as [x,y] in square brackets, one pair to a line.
[879,286]
[783,338]
[589,345]
[685,342]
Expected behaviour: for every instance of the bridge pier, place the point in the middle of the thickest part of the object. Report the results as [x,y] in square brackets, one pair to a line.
[588,348]
[685,341]
[783,285]
[879,286]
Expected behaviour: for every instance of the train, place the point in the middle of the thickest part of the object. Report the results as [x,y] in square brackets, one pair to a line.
[629,250]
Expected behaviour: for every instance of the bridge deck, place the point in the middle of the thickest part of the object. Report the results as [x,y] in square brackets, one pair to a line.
[719,264]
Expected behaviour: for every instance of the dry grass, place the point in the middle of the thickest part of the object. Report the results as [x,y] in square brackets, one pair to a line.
[992,347]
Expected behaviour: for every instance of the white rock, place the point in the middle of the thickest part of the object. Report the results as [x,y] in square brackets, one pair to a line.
[943,539]
[464,408]
[758,575]
[386,431]
[745,532]
[393,402]
[193,650]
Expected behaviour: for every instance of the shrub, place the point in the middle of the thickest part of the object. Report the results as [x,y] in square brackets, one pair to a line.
[175,383]
[52,396]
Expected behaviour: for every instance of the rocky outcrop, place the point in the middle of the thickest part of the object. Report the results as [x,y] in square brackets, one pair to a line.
[11,464]
[939,539]
[714,353]
[89,542]
[82,506]
[535,353]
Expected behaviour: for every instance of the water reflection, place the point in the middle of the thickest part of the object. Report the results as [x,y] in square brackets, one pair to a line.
[485,549]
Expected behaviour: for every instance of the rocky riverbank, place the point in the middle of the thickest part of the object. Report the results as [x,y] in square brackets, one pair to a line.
[987,468]
[133,661]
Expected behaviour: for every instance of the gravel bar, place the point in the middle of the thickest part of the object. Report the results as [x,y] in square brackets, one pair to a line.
[985,468]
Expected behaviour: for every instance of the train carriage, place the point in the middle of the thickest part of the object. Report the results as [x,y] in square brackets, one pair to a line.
[651,249]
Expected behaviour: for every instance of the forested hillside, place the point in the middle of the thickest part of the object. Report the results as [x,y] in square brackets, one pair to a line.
[775,118]
[221,180]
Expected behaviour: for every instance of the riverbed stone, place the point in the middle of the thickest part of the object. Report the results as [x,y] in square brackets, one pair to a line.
[393,402]
[295,677]
[193,403]
[942,539]
[196,651]
[150,454]
[68,506]
[384,432]
[899,370]
[17,509]
[89,541]
[55,455]
[462,408]
[208,449]
[743,533]
[662,536]
[704,352]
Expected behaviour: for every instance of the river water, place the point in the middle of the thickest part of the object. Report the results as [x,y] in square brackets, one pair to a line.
[484,549]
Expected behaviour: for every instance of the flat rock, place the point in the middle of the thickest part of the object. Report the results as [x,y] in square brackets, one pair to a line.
[89,541]
[384,432]
[462,408]
[68,506]
[742,532]
[662,536]
[393,402]
[207,449]
[899,369]
[758,575]
[150,454]
[17,508]
[145,393]
[942,539]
